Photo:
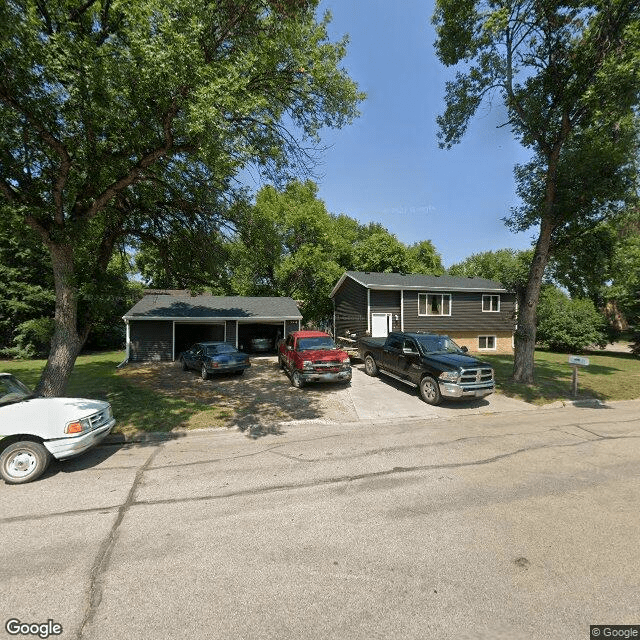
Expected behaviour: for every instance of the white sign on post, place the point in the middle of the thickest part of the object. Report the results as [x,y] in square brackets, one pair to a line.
[575,362]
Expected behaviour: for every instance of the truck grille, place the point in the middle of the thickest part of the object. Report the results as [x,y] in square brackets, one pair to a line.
[101,418]
[324,367]
[476,377]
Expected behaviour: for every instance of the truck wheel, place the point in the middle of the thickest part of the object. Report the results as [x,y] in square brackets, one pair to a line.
[23,462]
[297,380]
[370,366]
[204,373]
[184,364]
[429,390]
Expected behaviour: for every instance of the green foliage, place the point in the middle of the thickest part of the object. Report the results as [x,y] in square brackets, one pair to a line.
[33,337]
[423,258]
[289,244]
[507,266]
[381,252]
[26,282]
[567,75]
[569,325]
[125,122]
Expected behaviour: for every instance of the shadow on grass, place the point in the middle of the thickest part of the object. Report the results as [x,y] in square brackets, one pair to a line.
[553,376]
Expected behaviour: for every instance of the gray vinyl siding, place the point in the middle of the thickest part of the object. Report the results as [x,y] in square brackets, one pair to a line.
[350,308]
[292,325]
[150,340]
[386,302]
[466,314]
[231,331]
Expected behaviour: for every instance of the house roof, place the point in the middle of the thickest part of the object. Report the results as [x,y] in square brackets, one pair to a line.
[398,281]
[183,307]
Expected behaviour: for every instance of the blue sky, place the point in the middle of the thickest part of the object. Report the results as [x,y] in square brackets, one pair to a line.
[387,166]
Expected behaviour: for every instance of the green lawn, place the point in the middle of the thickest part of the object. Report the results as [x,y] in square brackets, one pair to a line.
[135,408]
[610,376]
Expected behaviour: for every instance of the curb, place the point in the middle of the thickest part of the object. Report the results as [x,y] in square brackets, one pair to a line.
[162,436]
[585,403]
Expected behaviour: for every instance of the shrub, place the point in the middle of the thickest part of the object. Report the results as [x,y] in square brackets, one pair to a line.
[33,337]
[569,325]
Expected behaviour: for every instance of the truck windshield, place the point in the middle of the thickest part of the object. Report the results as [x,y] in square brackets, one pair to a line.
[318,342]
[438,344]
[12,390]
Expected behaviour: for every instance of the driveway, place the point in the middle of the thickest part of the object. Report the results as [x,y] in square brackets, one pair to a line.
[263,399]
[383,398]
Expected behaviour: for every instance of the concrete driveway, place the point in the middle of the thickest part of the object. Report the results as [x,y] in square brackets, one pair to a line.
[383,398]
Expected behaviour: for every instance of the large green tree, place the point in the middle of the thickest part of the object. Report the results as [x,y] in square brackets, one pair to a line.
[567,75]
[507,266]
[287,243]
[128,119]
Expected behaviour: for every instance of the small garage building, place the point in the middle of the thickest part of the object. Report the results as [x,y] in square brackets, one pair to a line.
[163,324]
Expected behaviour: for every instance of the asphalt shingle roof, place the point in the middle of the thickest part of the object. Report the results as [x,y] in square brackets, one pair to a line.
[418,281]
[172,306]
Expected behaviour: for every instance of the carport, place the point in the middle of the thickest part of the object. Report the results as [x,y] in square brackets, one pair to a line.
[165,323]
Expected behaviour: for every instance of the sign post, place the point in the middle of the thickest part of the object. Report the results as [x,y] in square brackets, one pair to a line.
[575,362]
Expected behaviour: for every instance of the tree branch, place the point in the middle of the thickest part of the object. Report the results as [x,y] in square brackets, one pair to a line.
[133,175]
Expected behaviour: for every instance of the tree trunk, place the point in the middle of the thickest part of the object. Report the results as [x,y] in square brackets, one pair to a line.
[66,342]
[525,337]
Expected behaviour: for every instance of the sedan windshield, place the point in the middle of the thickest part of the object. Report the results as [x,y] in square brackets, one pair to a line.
[438,344]
[12,390]
[214,350]
[318,342]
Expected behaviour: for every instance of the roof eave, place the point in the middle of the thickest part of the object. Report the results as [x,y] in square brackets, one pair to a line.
[213,318]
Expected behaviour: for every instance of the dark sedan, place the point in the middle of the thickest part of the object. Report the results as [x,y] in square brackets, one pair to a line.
[214,357]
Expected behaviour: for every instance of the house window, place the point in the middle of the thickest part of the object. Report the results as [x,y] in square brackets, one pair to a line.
[434,304]
[487,343]
[490,303]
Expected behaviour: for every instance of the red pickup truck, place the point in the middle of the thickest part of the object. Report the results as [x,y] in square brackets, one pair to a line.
[312,356]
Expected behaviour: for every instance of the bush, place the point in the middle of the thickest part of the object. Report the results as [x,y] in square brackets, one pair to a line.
[569,325]
[33,337]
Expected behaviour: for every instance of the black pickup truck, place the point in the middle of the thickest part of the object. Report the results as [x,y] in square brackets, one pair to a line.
[433,363]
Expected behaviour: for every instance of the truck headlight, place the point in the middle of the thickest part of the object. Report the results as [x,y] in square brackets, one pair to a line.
[449,376]
[78,426]
[307,364]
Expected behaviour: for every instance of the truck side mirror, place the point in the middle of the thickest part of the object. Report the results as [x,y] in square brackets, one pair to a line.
[464,349]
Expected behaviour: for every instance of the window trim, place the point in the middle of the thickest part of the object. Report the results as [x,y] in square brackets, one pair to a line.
[491,295]
[487,337]
[434,315]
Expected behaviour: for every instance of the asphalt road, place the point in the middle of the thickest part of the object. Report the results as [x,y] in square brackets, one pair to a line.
[498,525]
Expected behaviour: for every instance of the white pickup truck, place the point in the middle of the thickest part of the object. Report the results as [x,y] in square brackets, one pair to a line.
[33,429]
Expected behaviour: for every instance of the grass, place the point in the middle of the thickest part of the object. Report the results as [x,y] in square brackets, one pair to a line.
[135,408]
[609,376]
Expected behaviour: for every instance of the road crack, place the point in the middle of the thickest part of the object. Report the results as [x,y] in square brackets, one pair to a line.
[105,552]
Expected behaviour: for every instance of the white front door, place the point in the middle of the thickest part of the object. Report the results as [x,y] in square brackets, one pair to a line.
[380,325]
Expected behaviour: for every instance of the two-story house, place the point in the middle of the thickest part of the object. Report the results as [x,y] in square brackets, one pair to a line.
[475,312]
